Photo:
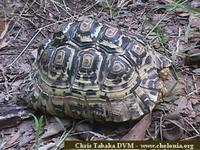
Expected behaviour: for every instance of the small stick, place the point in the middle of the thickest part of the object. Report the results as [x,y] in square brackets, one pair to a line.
[197,89]
[175,52]
[39,30]
[195,85]
[190,138]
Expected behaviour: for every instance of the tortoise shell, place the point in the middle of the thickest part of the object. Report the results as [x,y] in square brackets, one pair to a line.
[90,70]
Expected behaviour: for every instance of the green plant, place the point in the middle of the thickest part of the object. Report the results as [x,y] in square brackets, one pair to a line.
[38,130]
[179,4]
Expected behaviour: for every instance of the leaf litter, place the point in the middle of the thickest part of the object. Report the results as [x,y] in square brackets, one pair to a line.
[172,29]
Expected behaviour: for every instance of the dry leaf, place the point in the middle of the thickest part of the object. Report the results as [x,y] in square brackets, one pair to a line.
[3,43]
[167,1]
[16,84]
[141,126]
[196,71]
[194,100]
[3,32]
[195,20]
[13,139]
[54,128]
[181,103]
[3,40]
[172,127]
[2,22]
[195,3]
[47,146]
[84,127]
[26,139]
[192,114]
[11,115]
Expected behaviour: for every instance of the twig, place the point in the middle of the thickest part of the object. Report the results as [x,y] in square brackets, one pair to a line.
[35,35]
[192,126]
[61,6]
[90,7]
[64,3]
[22,52]
[163,17]
[32,24]
[17,16]
[2,145]
[188,30]
[17,33]
[5,78]
[175,52]
[195,85]
[190,138]
[49,11]
[161,122]
[56,7]
[100,135]
[194,91]
[63,137]
[91,132]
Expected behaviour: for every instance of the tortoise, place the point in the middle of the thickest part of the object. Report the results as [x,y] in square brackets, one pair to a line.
[94,71]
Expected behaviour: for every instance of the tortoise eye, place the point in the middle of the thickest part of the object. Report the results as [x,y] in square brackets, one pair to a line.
[59,57]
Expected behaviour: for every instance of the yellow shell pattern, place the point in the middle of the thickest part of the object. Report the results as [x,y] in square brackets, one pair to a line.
[90,70]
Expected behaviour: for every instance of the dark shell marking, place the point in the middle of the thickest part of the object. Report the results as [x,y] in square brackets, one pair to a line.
[89,70]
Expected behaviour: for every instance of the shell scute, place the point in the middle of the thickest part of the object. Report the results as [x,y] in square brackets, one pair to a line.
[90,70]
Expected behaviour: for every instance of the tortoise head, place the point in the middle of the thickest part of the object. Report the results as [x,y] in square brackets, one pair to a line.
[162,63]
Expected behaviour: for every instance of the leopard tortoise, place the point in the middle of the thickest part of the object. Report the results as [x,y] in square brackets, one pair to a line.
[90,70]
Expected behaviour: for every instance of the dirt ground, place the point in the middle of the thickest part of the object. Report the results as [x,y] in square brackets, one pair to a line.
[171,27]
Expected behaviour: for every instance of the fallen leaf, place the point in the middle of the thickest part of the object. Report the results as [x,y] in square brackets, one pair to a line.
[181,103]
[3,40]
[172,127]
[72,138]
[194,100]
[197,71]
[193,57]
[175,87]
[2,24]
[11,115]
[195,20]
[13,139]
[26,139]
[85,128]
[54,128]
[2,97]
[141,126]
[3,43]
[47,146]
[189,106]
[192,114]
[167,1]
[34,53]
[16,85]
[195,3]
